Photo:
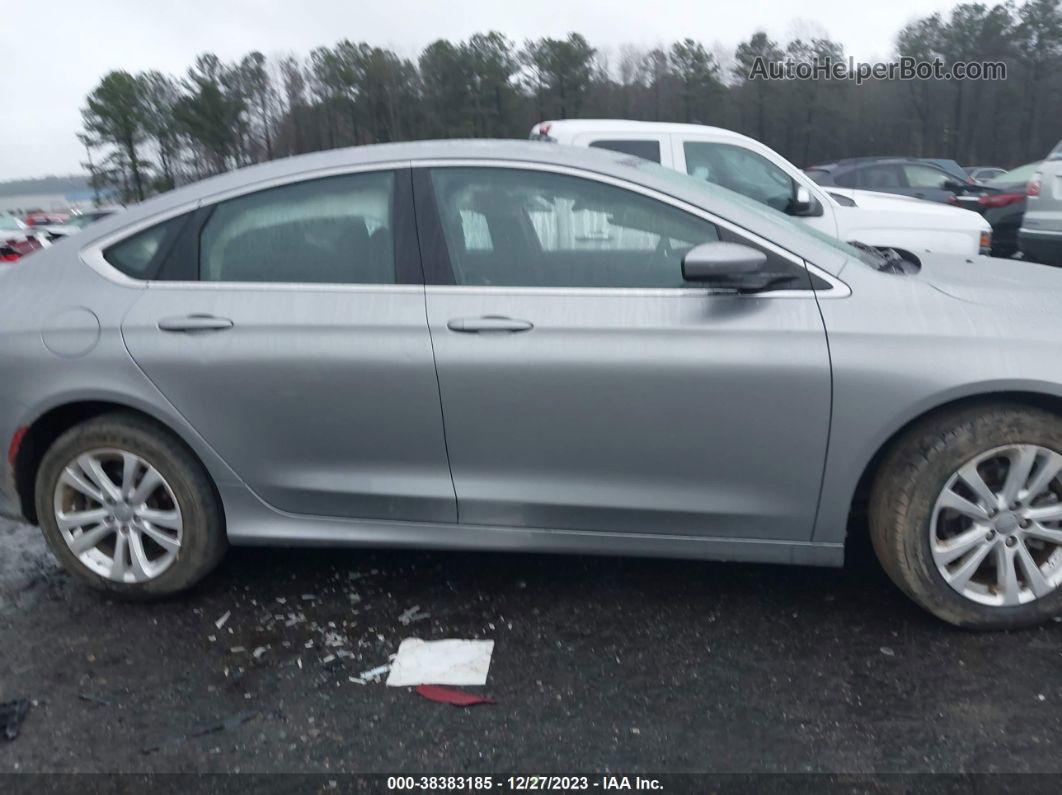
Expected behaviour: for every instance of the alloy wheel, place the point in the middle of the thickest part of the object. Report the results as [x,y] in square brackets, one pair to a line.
[118,515]
[996,528]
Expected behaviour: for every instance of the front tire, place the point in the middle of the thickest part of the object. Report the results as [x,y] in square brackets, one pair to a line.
[966,516]
[128,509]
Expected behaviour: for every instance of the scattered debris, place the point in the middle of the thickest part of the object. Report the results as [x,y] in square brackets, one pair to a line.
[257,653]
[94,699]
[447,695]
[441,662]
[374,674]
[12,714]
[887,651]
[328,659]
[357,680]
[411,615]
[228,724]
[221,621]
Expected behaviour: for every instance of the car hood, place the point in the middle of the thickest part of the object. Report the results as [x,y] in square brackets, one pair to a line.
[940,214]
[990,281]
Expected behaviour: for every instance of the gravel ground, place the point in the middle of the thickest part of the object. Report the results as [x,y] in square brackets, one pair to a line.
[600,664]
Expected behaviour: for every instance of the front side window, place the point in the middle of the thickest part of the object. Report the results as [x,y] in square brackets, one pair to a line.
[525,228]
[740,170]
[647,150]
[925,177]
[335,230]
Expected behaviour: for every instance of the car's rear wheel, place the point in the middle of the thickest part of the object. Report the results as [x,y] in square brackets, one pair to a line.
[127,508]
[966,516]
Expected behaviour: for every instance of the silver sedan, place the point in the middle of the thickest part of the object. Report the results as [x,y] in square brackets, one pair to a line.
[520,346]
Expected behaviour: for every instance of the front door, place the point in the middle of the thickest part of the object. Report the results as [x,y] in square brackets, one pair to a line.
[586,386]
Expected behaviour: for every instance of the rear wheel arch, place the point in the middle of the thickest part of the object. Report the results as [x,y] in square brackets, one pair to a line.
[49,426]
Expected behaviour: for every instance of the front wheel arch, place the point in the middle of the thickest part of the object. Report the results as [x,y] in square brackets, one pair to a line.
[858,530]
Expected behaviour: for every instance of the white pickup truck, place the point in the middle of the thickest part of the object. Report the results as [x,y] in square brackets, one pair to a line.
[746,166]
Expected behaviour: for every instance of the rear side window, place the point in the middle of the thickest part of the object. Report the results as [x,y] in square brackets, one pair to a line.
[647,150]
[821,176]
[336,230]
[848,179]
[141,255]
[875,178]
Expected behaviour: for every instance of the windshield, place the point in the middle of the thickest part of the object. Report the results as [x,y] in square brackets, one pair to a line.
[773,216]
[1020,174]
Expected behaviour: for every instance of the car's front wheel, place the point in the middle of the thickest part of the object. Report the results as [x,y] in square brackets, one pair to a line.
[127,508]
[966,516]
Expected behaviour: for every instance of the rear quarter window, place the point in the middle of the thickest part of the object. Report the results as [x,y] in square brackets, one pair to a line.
[140,256]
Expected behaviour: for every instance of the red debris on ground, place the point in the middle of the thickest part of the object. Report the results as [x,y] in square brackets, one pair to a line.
[447,695]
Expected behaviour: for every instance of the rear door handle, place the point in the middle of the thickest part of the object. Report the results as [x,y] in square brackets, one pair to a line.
[193,323]
[488,324]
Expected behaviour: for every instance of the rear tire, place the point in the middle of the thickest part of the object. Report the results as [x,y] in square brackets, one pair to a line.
[914,529]
[179,525]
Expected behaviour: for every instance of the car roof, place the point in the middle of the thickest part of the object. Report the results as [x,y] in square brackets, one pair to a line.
[600,161]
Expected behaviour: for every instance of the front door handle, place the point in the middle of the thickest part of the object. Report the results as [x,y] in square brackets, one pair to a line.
[193,323]
[488,324]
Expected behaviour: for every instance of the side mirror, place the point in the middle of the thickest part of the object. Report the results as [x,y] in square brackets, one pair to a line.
[803,204]
[722,262]
[954,186]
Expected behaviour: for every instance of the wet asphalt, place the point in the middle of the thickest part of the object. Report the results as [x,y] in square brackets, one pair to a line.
[600,664]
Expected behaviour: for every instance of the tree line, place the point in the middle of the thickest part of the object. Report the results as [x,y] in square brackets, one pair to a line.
[149,132]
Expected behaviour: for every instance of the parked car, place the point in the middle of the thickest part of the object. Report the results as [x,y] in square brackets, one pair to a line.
[506,345]
[1003,207]
[17,239]
[43,218]
[912,177]
[75,223]
[983,174]
[1040,236]
[746,166]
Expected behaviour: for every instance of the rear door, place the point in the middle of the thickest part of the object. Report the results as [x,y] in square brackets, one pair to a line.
[287,325]
[586,386]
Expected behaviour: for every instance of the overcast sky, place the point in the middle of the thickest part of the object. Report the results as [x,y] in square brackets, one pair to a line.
[54,55]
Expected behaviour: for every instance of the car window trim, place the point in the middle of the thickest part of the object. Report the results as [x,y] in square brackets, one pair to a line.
[412,270]
[439,273]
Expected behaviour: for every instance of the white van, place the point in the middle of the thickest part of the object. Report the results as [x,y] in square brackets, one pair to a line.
[746,166]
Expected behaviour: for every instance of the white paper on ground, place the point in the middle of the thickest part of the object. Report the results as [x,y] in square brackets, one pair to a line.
[441,662]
